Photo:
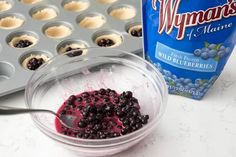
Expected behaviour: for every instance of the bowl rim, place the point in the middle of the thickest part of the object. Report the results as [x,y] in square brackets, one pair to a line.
[94,142]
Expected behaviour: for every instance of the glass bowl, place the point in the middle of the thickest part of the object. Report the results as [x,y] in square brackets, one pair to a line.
[63,76]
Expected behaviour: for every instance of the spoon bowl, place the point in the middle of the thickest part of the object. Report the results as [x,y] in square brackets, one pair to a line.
[66,120]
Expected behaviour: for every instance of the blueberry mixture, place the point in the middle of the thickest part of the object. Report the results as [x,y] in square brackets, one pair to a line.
[23,44]
[106,43]
[34,63]
[215,51]
[76,52]
[136,33]
[102,114]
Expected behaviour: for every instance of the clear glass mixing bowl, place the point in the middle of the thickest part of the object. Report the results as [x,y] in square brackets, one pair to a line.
[98,68]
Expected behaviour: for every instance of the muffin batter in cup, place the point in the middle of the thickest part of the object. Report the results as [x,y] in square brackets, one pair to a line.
[123,13]
[33,61]
[58,32]
[109,40]
[23,41]
[11,22]
[92,22]
[76,6]
[106,1]
[30,1]
[45,14]
[4,6]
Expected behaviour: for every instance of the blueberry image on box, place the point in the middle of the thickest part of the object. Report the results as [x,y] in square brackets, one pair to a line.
[215,51]
[189,42]
[185,86]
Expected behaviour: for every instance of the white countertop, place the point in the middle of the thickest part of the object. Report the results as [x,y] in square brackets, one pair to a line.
[189,128]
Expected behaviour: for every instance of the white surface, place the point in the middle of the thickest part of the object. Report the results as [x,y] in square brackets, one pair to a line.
[189,128]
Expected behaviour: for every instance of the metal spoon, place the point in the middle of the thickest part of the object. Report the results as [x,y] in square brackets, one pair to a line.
[66,120]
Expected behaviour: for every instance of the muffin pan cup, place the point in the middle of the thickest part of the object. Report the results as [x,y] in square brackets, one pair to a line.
[13,56]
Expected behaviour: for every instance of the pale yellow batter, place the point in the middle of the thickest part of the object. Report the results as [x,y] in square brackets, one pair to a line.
[58,31]
[11,22]
[123,13]
[30,1]
[4,6]
[45,14]
[136,27]
[106,1]
[16,39]
[76,6]
[93,22]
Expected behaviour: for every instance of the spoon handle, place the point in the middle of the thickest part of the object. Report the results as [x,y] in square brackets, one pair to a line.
[13,111]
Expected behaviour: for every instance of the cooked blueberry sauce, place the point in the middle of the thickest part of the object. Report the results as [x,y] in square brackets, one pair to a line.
[105,42]
[76,52]
[102,114]
[136,33]
[23,43]
[35,63]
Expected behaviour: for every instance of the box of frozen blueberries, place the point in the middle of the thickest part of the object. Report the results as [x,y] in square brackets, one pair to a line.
[189,41]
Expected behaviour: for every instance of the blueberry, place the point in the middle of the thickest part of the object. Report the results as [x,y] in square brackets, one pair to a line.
[105,42]
[34,63]
[75,52]
[205,49]
[205,84]
[166,78]
[79,99]
[212,53]
[197,52]
[128,94]
[174,77]
[177,81]
[227,50]
[205,90]
[102,91]
[222,48]
[82,123]
[198,81]
[191,85]
[136,33]
[196,85]
[167,73]
[187,81]
[144,119]
[124,131]
[212,46]
[85,94]
[221,54]
[201,94]
[192,89]
[201,88]
[178,85]
[181,79]
[187,87]
[204,55]
[23,43]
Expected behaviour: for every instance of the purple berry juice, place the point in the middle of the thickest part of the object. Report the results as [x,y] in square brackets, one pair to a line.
[102,114]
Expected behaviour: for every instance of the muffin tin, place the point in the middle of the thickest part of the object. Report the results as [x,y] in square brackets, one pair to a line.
[14,76]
